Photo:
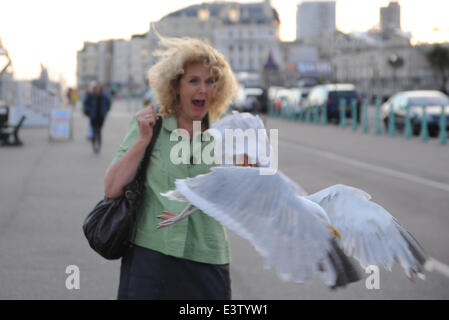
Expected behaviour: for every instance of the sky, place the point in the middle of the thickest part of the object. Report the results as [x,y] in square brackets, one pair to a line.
[52,31]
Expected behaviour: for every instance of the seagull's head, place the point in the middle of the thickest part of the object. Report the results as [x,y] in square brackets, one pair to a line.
[242,138]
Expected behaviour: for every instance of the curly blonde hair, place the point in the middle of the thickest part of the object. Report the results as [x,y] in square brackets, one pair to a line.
[166,74]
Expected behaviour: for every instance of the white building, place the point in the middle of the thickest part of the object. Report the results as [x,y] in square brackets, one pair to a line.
[87,64]
[247,46]
[139,52]
[246,33]
[196,21]
[373,75]
[121,76]
[314,19]
[104,61]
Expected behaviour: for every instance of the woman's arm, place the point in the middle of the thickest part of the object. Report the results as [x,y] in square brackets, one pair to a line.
[124,169]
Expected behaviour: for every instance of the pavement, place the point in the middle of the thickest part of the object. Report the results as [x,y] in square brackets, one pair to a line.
[47,188]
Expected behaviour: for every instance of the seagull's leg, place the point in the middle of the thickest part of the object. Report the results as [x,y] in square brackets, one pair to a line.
[167,215]
[171,218]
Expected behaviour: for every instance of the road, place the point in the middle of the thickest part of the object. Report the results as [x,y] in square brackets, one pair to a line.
[47,189]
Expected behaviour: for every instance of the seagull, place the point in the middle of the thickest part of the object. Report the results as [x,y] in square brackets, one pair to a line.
[299,235]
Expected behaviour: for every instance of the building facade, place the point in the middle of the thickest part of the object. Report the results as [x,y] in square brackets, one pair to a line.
[390,17]
[247,34]
[87,64]
[374,75]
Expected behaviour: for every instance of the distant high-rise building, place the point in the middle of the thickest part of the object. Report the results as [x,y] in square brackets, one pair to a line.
[390,17]
[315,18]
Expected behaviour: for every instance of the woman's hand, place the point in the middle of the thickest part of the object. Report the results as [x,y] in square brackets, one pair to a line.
[146,119]
[124,169]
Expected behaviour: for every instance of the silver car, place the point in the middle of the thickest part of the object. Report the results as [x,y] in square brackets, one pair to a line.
[431,99]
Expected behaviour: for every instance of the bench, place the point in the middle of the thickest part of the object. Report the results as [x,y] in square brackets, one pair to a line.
[4,116]
[9,131]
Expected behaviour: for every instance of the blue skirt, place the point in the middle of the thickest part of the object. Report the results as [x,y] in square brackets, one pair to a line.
[149,274]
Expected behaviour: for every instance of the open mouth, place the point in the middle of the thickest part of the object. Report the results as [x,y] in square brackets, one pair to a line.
[199,103]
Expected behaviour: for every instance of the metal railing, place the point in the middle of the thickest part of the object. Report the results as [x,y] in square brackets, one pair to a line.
[318,115]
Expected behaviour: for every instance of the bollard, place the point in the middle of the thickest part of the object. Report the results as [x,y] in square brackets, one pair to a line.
[291,112]
[377,120]
[365,124]
[308,115]
[316,114]
[408,125]
[342,113]
[354,114]
[443,133]
[391,125]
[301,114]
[424,127]
[324,114]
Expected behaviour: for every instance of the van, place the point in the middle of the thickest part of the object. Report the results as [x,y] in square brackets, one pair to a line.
[330,95]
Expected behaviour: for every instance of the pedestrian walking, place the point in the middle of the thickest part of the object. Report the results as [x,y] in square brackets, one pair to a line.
[96,106]
[193,82]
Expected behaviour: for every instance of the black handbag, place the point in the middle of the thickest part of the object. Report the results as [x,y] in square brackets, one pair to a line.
[111,225]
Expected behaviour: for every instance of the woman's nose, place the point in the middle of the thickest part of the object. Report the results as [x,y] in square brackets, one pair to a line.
[203,87]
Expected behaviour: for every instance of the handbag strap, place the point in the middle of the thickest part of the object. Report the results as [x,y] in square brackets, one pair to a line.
[141,172]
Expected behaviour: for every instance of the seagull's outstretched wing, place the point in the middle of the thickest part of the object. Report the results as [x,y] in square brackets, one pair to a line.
[368,232]
[290,232]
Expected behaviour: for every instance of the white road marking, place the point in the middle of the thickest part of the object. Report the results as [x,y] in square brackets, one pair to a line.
[372,167]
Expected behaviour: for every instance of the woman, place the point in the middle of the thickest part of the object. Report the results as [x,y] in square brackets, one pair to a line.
[192,82]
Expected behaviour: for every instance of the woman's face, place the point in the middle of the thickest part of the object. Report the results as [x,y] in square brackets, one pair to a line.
[196,91]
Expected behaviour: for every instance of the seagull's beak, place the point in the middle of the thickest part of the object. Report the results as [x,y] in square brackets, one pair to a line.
[335,232]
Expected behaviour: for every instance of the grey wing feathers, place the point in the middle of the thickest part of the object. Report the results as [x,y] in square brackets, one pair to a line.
[369,233]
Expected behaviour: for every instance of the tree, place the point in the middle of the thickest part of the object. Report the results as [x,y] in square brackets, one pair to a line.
[438,58]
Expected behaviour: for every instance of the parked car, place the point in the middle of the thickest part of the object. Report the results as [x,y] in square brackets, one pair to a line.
[248,99]
[273,93]
[432,99]
[284,99]
[330,95]
[291,100]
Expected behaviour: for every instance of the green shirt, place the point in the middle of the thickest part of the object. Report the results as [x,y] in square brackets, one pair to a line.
[198,237]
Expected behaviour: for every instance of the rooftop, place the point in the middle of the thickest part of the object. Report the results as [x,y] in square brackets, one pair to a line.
[247,12]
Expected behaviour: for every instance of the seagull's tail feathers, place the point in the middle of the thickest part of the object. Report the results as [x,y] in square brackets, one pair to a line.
[345,270]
